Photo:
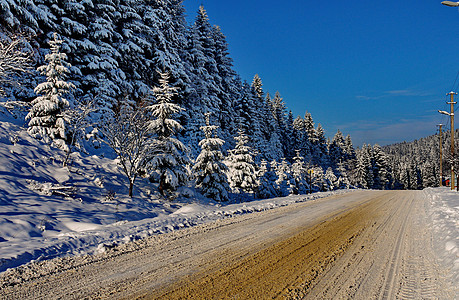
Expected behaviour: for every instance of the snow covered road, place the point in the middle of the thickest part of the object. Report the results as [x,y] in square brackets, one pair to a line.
[360,245]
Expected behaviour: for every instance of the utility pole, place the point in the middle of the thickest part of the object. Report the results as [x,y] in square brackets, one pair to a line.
[451,116]
[441,155]
[452,136]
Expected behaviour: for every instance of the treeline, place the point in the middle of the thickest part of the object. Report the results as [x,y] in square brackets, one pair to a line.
[416,165]
[408,165]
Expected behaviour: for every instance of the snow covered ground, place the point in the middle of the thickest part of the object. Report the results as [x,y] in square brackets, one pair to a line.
[47,210]
[444,218]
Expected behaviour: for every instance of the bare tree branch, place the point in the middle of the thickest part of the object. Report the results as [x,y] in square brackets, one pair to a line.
[13,61]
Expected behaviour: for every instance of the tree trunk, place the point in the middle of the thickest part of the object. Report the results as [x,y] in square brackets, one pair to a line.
[161,186]
[131,187]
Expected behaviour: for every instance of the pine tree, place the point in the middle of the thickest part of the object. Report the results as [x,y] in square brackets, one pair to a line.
[22,16]
[368,163]
[170,160]
[318,182]
[285,180]
[299,173]
[300,138]
[321,149]
[380,169]
[209,167]
[289,141]
[133,46]
[204,77]
[278,111]
[260,125]
[273,149]
[257,85]
[429,175]
[364,173]
[331,179]
[100,62]
[46,115]
[310,138]
[166,35]
[361,172]
[267,181]
[205,70]
[242,169]
[246,109]
[343,178]
[309,128]
[336,149]
[349,151]
[249,119]
[229,86]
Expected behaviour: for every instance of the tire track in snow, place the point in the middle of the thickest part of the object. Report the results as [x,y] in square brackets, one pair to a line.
[391,259]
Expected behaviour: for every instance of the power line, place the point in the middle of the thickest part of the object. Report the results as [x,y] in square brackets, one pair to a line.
[454,87]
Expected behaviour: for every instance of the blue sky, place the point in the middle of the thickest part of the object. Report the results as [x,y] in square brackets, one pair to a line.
[377,70]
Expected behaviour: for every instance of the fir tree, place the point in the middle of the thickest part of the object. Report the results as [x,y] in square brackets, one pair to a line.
[100,63]
[300,138]
[229,86]
[205,75]
[361,171]
[343,178]
[380,169]
[285,180]
[204,89]
[22,16]
[242,169]
[299,173]
[267,187]
[336,149]
[133,46]
[318,179]
[289,141]
[170,160]
[330,179]
[209,167]
[46,115]
[349,150]
[320,150]
[166,35]
[273,149]
[278,111]
[257,85]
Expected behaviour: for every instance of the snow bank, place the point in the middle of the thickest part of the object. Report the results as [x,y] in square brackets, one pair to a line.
[444,216]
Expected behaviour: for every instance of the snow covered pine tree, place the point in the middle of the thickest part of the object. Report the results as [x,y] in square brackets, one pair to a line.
[242,173]
[46,115]
[209,167]
[170,160]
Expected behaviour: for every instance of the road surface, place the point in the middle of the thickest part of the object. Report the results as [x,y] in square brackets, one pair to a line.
[360,245]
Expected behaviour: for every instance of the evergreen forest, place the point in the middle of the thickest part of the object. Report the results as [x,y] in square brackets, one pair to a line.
[164,96]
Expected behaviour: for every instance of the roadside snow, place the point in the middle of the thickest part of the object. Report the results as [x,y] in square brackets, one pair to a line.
[48,211]
[444,215]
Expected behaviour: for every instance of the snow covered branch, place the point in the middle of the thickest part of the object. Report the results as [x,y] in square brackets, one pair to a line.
[128,135]
[13,61]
